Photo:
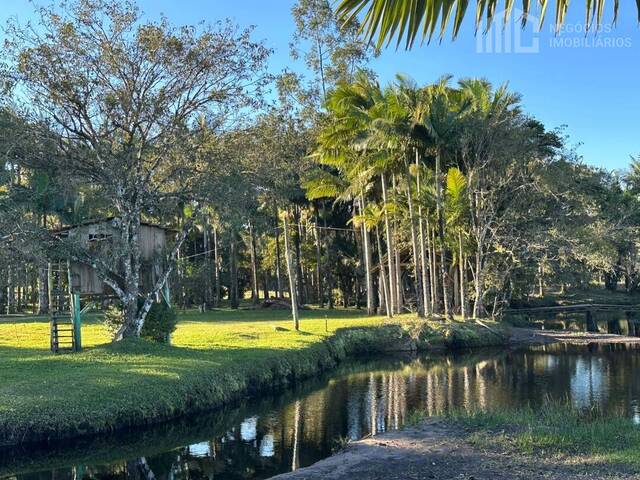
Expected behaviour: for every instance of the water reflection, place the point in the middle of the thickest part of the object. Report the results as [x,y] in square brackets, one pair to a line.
[299,427]
[618,322]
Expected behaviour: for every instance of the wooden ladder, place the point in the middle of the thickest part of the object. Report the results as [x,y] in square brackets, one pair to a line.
[62,332]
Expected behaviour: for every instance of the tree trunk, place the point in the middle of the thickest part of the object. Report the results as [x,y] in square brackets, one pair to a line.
[130,232]
[11,299]
[279,292]
[328,264]
[208,287]
[319,287]
[437,303]
[446,300]
[478,307]
[390,249]
[540,281]
[299,276]
[455,276]
[43,289]
[254,265]
[291,273]
[367,260]
[234,301]
[398,263]
[216,269]
[424,270]
[265,280]
[417,275]
[383,277]
[463,282]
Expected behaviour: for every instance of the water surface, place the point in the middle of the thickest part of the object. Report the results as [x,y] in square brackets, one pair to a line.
[260,438]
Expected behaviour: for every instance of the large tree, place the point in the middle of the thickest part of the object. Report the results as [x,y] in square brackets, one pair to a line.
[125,96]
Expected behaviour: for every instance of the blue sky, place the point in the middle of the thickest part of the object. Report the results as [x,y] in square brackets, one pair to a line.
[587,82]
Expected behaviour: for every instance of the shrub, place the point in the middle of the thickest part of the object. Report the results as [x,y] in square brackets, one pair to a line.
[160,322]
[113,319]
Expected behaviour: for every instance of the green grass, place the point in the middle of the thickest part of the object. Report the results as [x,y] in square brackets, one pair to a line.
[214,358]
[558,429]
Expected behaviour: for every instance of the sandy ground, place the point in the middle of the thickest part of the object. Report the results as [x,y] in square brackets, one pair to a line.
[436,449]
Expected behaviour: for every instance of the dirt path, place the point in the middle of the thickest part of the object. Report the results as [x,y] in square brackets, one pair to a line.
[534,336]
[439,450]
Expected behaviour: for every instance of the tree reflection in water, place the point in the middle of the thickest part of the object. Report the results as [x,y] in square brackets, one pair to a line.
[299,427]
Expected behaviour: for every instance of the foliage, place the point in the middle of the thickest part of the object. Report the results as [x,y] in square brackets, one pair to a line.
[404,21]
[121,110]
[113,319]
[161,321]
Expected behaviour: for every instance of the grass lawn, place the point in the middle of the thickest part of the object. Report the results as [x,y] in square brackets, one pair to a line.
[215,357]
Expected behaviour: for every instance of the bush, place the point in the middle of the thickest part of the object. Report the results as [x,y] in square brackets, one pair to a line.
[161,321]
[113,319]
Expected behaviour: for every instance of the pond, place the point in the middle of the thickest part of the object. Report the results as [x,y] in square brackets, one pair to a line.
[260,438]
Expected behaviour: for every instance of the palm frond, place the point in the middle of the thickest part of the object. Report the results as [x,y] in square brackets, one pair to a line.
[403,20]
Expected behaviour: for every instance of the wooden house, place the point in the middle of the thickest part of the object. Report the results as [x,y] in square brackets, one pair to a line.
[98,235]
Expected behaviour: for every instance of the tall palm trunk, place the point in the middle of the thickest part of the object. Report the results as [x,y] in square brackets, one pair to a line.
[436,276]
[424,269]
[414,244]
[291,272]
[432,271]
[463,283]
[398,263]
[367,260]
[390,250]
[328,247]
[446,300]
[319,286]
[383,277]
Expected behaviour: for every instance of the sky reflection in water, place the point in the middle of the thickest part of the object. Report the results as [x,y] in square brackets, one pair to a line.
[299,427]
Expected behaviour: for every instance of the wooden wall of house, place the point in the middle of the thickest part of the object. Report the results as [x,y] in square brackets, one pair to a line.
[152,243]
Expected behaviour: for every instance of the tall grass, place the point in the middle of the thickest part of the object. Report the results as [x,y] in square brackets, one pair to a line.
[557,428]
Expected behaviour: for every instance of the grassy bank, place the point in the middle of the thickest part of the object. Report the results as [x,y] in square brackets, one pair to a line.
[572,434]
[215,358]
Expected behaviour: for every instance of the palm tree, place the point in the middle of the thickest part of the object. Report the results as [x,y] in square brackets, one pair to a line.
[404,20]
[370,219]
[456,206]
[441,120]
[342,146]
